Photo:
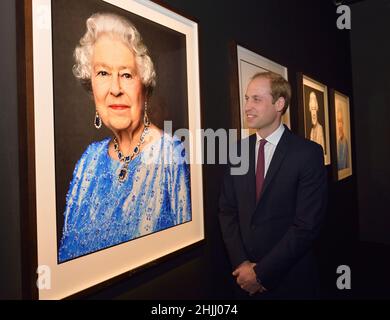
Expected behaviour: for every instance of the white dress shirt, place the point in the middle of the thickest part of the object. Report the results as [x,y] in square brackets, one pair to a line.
[269,148]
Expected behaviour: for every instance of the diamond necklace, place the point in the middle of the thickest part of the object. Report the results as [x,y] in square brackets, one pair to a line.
[126,159]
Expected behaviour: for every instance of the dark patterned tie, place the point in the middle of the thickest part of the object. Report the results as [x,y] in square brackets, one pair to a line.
[260,169]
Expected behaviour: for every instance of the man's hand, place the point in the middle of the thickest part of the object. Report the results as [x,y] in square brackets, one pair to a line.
[246,278]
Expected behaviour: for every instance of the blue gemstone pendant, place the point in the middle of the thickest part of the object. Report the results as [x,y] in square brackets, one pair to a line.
[122,175]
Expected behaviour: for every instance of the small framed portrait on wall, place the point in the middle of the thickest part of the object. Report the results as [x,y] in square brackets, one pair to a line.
[314,106]
[342,120]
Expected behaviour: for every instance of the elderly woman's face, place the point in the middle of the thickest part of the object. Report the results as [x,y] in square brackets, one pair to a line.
[313,106]
[116,84]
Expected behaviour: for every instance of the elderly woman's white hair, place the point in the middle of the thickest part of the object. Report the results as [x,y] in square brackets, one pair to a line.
[118,27]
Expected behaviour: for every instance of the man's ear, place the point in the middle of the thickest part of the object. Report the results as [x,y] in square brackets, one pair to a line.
[280,103]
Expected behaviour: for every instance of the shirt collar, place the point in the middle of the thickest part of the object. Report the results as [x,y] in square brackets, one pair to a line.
[274,137]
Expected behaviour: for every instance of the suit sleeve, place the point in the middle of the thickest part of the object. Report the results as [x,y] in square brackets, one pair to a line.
[310,208]
[228,218]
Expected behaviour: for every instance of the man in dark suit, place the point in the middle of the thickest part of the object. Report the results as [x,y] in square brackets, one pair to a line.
[271,215]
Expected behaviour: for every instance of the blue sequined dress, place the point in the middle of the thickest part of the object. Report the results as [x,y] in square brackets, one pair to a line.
[101,211]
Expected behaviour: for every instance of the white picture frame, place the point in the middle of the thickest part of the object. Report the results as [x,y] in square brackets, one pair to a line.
[74,276]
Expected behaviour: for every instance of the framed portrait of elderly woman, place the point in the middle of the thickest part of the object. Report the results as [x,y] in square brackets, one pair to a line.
[313,100]
[245,64]
[113,110]
[340,114]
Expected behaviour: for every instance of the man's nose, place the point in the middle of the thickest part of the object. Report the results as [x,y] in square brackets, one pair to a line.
[247,105]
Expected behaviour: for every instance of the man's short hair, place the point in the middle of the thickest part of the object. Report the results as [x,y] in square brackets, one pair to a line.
[279,87]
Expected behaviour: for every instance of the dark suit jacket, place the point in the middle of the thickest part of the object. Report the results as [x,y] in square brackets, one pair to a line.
[278,232]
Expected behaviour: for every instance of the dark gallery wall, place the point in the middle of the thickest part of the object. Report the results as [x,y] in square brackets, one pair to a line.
[370,58]
[371,85]
[300,35]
